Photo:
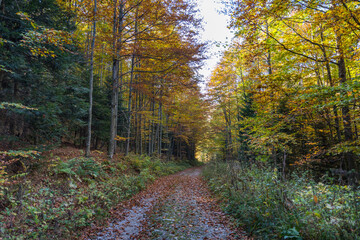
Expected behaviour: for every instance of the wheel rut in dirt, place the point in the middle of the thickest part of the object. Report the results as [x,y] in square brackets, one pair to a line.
[179,206]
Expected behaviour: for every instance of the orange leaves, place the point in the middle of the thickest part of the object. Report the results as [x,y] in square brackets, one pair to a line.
[315,199]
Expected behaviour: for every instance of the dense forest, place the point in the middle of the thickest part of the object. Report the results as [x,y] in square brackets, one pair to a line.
[285,119]
[286,89]
[98,98]
[102,74]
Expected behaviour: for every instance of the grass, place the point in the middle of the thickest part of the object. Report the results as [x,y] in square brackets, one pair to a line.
[64,194]
[298,208]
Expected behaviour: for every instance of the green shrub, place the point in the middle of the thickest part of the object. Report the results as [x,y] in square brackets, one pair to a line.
[79,168]
[298,208]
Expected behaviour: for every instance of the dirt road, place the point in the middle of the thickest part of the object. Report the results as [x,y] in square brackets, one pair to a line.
[175,207]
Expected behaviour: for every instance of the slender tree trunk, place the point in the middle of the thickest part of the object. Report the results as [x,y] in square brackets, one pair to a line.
[268,60]
[284,166]
[268,57]
[136,127]
[228,139]
[88,140]
[335,110]
[150,134]
[161,129]
[117,30]
[140,125]
[345,109]
[130,86]
[170,148]
[349,158]
[167,135]
[153,134]
[331,82]
[102,68]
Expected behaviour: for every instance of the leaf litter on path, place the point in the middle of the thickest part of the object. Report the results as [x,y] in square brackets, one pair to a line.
[179,206]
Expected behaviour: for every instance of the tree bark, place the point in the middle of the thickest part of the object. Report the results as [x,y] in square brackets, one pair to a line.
[160,126]
[91,82]
[348,135]
[331,82]
[345,109]
[130,86]
[117,30]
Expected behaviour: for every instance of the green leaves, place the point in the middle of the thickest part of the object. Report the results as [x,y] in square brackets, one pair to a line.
[4,69]
[80,168]
[298,208]
[291,233]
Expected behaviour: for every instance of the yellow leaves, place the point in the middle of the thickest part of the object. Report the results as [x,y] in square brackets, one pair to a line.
[42,52]
[33,25]
[24,154]
[121,139]
[315,214]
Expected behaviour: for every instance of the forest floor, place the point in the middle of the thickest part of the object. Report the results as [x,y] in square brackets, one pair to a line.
[178,206]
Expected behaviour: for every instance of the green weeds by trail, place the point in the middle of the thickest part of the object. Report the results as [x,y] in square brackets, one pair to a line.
[298,208]
[73,194]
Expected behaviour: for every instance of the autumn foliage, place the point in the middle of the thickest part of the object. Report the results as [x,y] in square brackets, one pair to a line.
[286,90]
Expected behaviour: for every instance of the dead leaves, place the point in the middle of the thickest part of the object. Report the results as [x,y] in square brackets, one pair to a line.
[175,206]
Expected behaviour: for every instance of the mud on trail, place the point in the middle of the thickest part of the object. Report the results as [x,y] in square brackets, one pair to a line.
[179,206]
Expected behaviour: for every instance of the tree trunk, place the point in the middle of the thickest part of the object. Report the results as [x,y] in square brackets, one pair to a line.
[345,109]
[284,166]
[88,140]
[150,137]
[329,76]
[115,77]
[337,123]
[161,129]
[349,158]
[130,86]
[102,67]
[140,126]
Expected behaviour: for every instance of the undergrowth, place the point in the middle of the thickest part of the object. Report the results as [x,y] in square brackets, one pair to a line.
[70,195]
[298,208]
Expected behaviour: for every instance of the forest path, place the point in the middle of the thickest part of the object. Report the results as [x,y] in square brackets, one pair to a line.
[179,206]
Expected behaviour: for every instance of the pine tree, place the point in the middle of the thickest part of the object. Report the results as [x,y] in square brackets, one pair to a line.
[245,111]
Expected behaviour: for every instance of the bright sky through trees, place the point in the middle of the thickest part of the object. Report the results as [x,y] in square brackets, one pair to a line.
[215,31]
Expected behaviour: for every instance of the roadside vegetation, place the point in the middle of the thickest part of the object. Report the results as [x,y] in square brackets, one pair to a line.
[63,192]
[299,208]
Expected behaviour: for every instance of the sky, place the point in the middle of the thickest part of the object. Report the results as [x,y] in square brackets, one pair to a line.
[215,30]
